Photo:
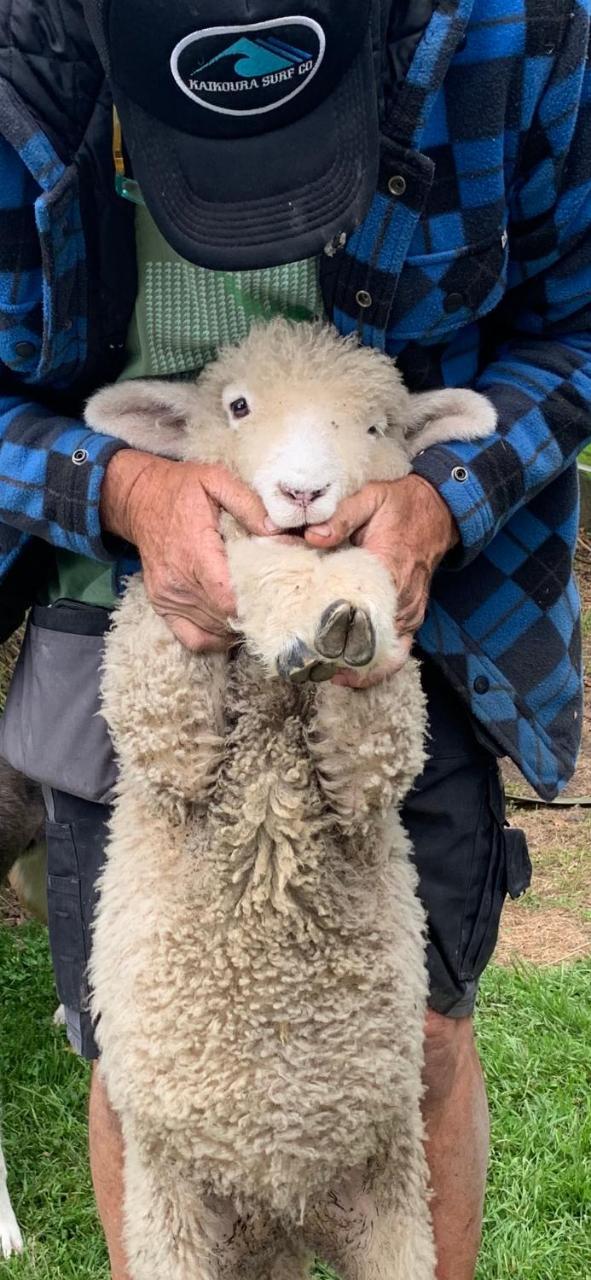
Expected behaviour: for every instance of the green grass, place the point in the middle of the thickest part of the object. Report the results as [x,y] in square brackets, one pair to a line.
[44,1092]
[534,1029]
[585,456]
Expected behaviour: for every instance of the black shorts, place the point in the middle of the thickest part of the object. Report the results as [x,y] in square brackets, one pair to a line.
[467,859]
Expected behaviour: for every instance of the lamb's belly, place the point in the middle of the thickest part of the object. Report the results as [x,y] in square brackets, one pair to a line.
[265,1066]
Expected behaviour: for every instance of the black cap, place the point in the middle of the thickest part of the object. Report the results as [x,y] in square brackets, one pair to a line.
[251,124]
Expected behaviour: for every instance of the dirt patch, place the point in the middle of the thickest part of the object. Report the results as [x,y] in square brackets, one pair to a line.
[552,923]
[554,936]
[10,911]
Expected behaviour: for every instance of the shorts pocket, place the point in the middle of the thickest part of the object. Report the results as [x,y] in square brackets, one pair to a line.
[66,923]
[518,862]
[52,729]
[501,866]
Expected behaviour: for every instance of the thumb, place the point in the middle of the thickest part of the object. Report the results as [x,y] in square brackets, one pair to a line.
[351,514]
[235,497]
[195,638]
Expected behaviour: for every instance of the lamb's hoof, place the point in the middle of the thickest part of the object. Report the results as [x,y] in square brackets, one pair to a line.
[299,664]
[346,633]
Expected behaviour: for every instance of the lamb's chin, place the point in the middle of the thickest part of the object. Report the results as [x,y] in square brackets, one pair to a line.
[296,520]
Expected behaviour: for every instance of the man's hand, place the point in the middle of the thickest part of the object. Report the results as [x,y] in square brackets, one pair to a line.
[170,511]
[408,526]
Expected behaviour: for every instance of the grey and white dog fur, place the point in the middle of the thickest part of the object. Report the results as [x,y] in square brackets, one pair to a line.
[258,960]
[21,826]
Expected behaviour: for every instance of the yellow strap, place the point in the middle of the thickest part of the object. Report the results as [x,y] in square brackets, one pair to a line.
[118,160]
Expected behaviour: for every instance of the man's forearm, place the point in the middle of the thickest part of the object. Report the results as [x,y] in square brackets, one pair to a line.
[543,425]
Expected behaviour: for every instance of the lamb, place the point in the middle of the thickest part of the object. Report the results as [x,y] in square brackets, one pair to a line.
[258,962]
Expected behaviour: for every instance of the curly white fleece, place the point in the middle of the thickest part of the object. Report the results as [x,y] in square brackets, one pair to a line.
[258,962]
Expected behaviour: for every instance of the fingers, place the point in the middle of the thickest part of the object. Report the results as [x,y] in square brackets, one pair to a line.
[196,638]
[357,679]
[351,514]
[413,598]
[214,576]
[235,497]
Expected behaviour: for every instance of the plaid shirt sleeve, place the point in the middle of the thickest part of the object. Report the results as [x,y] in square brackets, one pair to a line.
[540,377]
[51,468]
[51,471]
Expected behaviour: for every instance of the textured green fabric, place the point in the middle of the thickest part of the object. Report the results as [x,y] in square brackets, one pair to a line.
[183,316]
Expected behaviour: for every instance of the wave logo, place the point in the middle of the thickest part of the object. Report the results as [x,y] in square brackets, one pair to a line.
[240,71]
[259,57]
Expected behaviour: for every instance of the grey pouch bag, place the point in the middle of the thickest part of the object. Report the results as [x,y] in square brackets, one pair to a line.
[52,729]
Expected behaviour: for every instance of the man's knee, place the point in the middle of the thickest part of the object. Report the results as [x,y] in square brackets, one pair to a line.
[449,1052]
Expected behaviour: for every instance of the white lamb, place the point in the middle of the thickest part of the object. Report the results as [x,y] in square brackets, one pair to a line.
[258,959]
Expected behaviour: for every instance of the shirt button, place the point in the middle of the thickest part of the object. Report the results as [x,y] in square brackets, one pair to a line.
[79,457]
[397,185]
[481,684]
[363,298]
[453,302]
[460,474]
[25,349]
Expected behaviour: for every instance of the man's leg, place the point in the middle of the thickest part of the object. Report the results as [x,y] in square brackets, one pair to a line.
[456,1117]
[454,816]
[76,838]
[106,1162]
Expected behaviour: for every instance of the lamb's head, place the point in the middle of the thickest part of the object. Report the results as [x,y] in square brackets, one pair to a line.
[302,415]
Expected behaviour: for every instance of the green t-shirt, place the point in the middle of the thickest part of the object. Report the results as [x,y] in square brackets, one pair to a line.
[183,316]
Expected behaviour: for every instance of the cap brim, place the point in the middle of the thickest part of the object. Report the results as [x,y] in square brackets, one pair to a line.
[278,197]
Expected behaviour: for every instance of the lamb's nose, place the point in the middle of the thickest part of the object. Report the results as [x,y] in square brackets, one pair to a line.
[303,497]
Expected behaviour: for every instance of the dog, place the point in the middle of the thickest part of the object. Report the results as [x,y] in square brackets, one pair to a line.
[22,858]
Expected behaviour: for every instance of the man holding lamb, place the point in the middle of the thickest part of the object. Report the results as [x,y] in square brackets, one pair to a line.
[418,174]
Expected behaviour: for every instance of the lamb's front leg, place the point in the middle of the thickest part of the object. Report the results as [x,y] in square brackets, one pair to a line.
[368,744]
[307,614]
[164,706]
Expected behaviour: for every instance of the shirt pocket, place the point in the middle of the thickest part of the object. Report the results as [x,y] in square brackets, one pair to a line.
[438,293]
[21,288]
[42,254]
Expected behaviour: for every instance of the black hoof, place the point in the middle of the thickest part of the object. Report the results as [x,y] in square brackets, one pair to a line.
[299,664]
[347,633]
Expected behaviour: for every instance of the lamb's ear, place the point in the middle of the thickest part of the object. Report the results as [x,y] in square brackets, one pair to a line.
[433,417]
[151,415]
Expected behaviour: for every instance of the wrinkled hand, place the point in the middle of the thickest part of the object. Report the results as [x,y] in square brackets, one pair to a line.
[170,511]
[409,527]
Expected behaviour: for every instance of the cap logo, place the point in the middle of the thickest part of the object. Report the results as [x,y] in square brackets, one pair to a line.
[249,70]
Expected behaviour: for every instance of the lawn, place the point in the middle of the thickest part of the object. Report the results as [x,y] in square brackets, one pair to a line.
[534,1028]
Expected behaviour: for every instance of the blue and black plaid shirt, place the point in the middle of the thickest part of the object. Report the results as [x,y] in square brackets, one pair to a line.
[473,267]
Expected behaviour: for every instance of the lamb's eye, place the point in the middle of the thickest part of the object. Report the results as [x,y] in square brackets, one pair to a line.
[240,408]
[374,431]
